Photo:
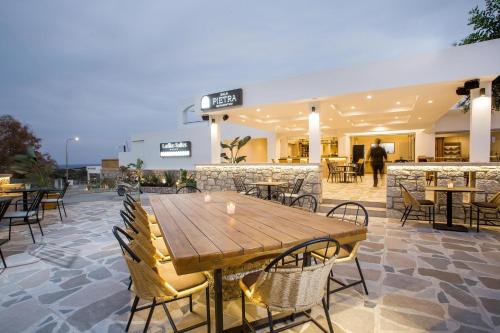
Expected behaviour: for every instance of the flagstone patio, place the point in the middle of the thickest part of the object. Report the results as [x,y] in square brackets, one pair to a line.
[419,279]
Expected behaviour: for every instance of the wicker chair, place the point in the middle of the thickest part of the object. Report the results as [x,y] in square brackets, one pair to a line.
[419,205]
[150,232]
[306,202]
[28,217]
[333,172]
[489,209]
[351,212]
[159,283]
[187,189]
[291,288]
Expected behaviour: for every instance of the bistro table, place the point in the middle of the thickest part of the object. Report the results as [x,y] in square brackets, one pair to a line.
[269,184]
[25,192]
[345,170]
[449,207]
[202,236]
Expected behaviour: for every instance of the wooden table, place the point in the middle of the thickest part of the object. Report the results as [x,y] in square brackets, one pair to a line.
[202,236]
[345,170]
[449,205]
[269,185]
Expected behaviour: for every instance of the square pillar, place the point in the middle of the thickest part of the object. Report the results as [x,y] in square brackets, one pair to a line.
[425,144]
[480,124]
[344,146]
[283,142]
[314,136]
[215,148]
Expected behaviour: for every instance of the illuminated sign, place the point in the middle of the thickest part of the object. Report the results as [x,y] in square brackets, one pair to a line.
[175,149]
[222,99]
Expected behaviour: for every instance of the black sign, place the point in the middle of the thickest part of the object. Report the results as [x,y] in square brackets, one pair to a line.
[175,149]
[222,99]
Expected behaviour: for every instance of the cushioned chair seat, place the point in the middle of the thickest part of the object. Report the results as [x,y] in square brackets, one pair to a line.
[180,282]
[489,205]
[425,202]
[51,200]
[18,214]
[344,252]
[250,279]
[155,229]
[160,245]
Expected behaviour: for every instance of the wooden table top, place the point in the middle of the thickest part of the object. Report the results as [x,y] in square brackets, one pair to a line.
[453,189]
[265,183]
[202,236]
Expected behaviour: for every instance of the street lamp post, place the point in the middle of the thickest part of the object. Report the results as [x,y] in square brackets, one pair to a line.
[67,141]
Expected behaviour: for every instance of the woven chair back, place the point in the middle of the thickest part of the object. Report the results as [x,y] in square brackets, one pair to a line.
[128,221]
[239,184]
[296,288]
[129,208]
[352,212]
[306,202]
[408,198]
[297,186]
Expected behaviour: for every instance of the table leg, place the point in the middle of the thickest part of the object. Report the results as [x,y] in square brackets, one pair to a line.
[449,216]
[25,201]
[268,192]
[219,321]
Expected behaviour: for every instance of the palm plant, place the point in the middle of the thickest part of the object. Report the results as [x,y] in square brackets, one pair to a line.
[237,144]
[34,169]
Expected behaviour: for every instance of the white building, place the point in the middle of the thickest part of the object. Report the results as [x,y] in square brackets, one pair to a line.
[408,101]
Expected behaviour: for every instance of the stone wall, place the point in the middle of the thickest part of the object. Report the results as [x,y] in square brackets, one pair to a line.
[219,177]
[413,177]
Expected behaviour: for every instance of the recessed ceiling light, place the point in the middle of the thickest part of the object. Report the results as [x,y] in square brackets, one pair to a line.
[258,110]
[267,116]
[396,117]
[353,107]
[369,97]
[348,120]
[398,102]
[294,125]
[330,119]
[300,112]
[430,101]
[243,120]
[419,118]
[362,120]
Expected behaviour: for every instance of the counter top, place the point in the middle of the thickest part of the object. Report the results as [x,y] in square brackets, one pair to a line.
[438,164]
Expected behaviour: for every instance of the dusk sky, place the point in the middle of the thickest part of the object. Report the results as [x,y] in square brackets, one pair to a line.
[104,70]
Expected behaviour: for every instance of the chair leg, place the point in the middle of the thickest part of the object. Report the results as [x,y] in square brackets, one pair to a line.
[433,216]
[270,318]
[150,315]
[327,314]
[190,303]
[10,227]
[132,311]
[39,225]
[31,231]
[328,293]
[3,259]
[243,313]
[207,297]
[43,210]
[64,208]
[477,227]
[59,209]
[130,284]
[407,214]
[361,275]
[404,213]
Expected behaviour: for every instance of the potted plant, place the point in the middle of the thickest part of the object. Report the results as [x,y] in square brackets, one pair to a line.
[234,149]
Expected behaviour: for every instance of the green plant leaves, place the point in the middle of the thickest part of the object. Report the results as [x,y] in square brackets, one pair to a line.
[240,159]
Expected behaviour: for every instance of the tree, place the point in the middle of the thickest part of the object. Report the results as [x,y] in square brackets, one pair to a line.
[485,23]
[486,26]
[15,138]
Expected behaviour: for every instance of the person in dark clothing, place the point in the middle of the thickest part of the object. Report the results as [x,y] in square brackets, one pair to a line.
[377,156]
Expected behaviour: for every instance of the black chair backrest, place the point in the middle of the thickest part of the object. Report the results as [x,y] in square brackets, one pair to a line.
[305,248]
[129,207]
[36,201]
[127,220]
[239,184]
[120,234]
[350,211]
[64,189]
[188,189]
[130,198]
[297,186]
[306,201]
[4,205]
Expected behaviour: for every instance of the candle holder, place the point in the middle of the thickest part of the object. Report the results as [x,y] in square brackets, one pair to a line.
[270,179]
[208,197]
[450,184]
[27,186]
[230,207]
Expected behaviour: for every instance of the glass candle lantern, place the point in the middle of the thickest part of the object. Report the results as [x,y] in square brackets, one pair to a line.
[208,197]
[231,207]
[450,184]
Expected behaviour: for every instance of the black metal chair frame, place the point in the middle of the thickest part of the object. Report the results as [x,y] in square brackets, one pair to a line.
[428,215]
[275,264]
[4,205]
[34,207]
[242,188]
[333,172]
[126,249]
[130,198]
[127,221]
[59,199]
[331,213]
[285,194]
[489,218]
[306,198]
[129,208]
[189,188]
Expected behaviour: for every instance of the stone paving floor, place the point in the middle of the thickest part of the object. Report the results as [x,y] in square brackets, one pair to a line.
[362,190]
[74,280]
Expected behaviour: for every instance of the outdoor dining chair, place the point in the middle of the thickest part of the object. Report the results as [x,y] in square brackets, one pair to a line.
[4,205]
[159,283]
[417,205]
[306,202]
[291,288]
[288,193]
[26,217]
[333,172]
[187,189]
[350,212]
[242,188]
[59,201]
[489,209]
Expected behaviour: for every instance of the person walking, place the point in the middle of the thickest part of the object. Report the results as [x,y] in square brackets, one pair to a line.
[377,156]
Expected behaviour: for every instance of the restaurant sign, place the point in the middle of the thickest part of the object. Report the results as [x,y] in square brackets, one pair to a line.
[222,99]
[175,149]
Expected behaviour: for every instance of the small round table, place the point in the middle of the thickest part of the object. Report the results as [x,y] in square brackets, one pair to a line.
[269,185]
[449,207]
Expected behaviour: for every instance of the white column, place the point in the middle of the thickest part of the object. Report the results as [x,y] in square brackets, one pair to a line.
[283,147]
[425,144]
[314,137]
[480,124]
[271,147]
[215,149]
[344,142]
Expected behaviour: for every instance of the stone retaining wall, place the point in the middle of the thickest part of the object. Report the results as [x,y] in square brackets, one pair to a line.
[219,177]
[413,177]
